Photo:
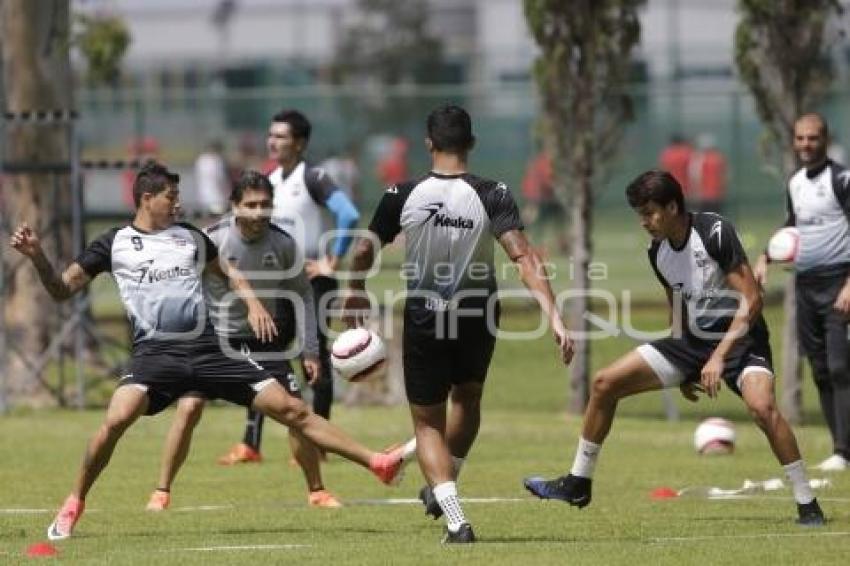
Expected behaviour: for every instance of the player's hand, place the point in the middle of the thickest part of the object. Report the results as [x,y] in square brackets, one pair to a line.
[312,369]
[842,303]
[563,340]
[355,308]
[325,267]
[25,240]
[710,378]
[760,270]
[262,323]
[690,390]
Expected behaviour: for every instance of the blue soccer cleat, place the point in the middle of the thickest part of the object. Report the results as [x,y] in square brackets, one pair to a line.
[574,490]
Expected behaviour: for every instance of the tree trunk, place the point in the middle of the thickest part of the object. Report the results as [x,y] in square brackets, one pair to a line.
[582,213]
[36,71]
[580,305]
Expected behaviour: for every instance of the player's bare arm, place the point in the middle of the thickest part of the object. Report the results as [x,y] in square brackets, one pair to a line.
[532,272]
[259,318]
[741,281]
[361,262]
[60,287]
[842,302]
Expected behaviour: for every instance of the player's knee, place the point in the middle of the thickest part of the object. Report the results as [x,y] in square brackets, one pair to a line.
[293,412]
[604,385]
[117,422]
[763,411]
[190,410]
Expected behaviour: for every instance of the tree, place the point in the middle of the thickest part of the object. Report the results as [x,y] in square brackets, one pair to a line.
[37,76]
[581,73]
[781,55]
[389,51]
[36,39]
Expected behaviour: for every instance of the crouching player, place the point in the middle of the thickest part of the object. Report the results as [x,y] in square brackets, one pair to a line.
[720,337]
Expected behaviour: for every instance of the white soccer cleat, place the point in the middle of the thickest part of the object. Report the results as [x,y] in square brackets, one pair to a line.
[835,463]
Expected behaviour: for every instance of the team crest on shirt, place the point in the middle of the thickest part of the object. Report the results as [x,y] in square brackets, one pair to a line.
[715,229]
[820,190]
[178,241]
[269,260]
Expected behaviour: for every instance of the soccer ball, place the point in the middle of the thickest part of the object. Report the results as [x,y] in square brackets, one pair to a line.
[358,354]
[784,244]
[715,436]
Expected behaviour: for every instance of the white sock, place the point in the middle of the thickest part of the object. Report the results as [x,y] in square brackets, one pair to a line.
[585,460]
[457,464]
[408,451]
[796,473]
[446,495]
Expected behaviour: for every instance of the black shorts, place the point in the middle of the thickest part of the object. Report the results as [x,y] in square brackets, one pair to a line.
[435,358]
[270,356]
[685,357]
[167,371]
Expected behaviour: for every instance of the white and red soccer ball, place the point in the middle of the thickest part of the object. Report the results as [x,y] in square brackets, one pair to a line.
[784,245]
[714,436]
[358,354]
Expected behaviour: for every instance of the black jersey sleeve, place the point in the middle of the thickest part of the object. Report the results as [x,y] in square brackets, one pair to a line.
[386,222]
[652,252]
[97,257]
[499,204]
[841,187]
[205,245]
[319,184]
[721,242]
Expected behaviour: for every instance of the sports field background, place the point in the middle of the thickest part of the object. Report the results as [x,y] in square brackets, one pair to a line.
[255,512]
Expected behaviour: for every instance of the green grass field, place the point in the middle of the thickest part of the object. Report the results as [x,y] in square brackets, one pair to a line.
[259,513]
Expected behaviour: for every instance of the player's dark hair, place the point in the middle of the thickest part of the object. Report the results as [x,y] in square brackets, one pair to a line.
[253,180]
[655,186]
[298,123]
[450,129]
[152,178]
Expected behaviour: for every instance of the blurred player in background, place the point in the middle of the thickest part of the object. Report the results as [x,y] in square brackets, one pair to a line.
[818,203]
[304,198]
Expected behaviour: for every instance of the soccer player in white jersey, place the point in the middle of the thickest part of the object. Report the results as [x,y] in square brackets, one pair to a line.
[450,219]
[305,199]
[721,337]
[157,264]
[818,203]
[267,256]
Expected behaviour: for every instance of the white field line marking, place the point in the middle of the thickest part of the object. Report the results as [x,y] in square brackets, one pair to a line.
[753,536]
[239,547]
[412,501]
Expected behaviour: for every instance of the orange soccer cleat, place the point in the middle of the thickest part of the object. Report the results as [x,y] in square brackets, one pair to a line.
[241,454]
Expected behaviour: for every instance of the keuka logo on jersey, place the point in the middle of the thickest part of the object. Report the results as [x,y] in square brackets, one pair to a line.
[153,275]
[458,222]
[444,220]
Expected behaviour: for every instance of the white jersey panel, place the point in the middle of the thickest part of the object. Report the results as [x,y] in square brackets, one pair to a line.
[821,220]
